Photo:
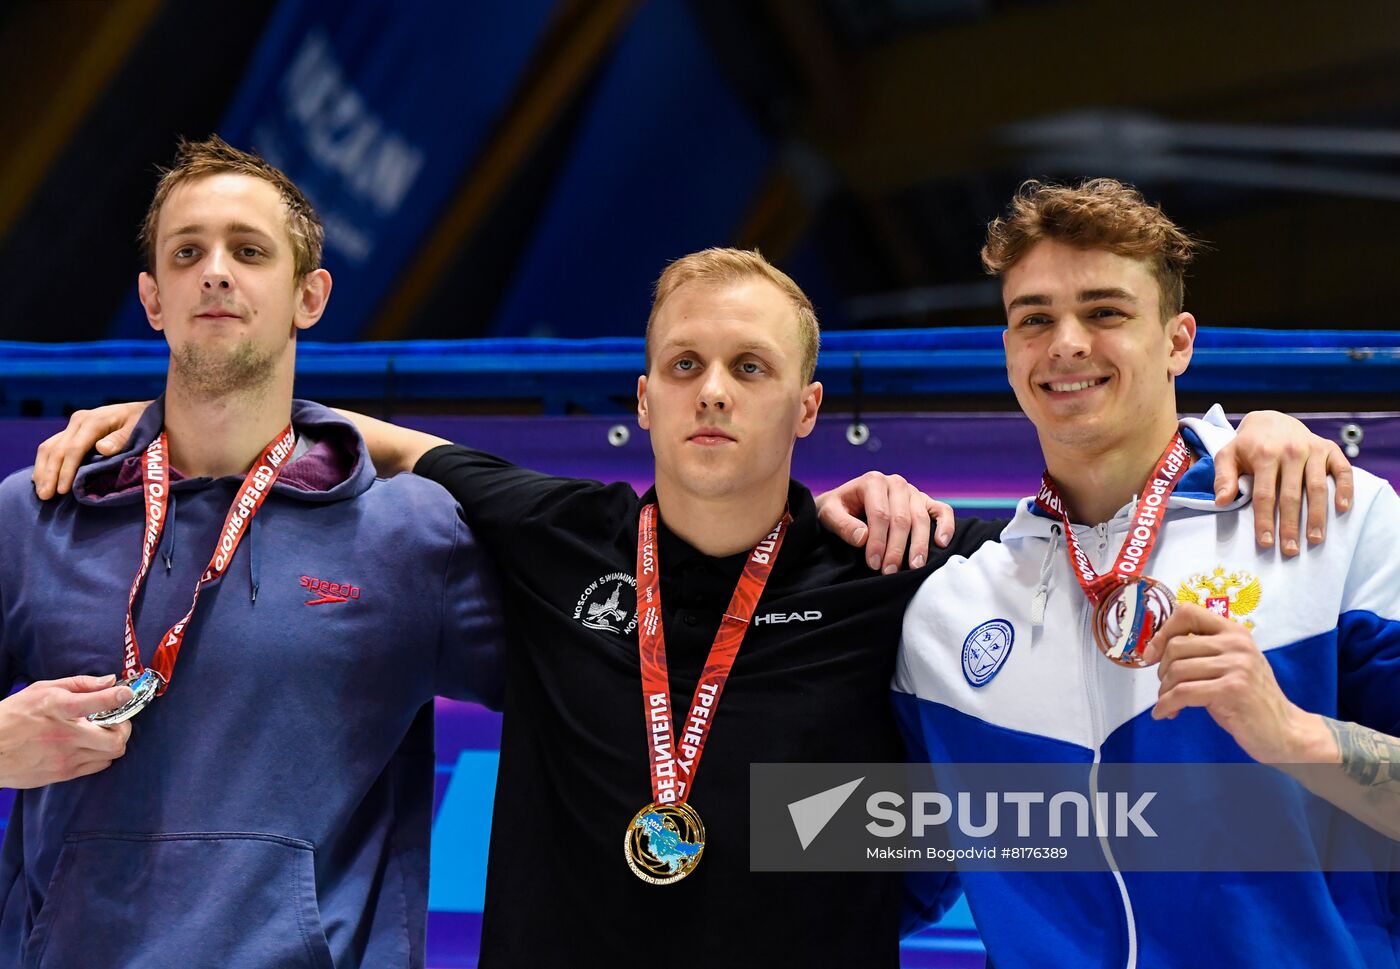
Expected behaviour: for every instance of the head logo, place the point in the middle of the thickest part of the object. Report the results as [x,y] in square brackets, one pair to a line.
[985,650]
[609,604]
[809,615]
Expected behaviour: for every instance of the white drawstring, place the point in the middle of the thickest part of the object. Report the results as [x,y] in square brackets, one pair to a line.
[1042,590]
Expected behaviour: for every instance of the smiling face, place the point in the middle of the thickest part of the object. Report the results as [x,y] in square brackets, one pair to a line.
[725,400]
[1088,354]
[222,286]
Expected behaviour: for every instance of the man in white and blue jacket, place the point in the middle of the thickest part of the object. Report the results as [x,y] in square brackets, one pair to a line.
[1268,657]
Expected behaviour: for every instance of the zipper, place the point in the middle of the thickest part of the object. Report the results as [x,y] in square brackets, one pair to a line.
[1089,654]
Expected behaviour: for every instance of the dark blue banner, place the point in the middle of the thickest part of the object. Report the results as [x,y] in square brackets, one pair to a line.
[667,161]
[375,109]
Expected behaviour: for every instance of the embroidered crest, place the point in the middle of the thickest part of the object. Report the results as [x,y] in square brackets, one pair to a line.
[985,650]
[1233,595]
[609,604]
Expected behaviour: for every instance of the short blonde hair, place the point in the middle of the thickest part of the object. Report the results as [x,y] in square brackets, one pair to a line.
[729,266]
[1101,213]
[200,159]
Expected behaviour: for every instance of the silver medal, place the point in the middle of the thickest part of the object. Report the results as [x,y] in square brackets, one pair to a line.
[143,690]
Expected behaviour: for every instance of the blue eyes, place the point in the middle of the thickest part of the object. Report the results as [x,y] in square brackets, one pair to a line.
[748,367]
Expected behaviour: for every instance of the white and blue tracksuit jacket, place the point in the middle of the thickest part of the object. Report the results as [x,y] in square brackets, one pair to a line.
[1329,623]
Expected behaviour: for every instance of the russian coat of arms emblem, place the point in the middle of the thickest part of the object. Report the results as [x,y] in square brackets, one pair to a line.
[1233,595]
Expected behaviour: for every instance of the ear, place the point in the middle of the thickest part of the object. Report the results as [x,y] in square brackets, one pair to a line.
[1181,330]
[811,403]
[149,294]
[643,417]
[313,293]
[1006,357]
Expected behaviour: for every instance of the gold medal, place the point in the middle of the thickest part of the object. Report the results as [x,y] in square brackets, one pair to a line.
[664,842]
[1126,618]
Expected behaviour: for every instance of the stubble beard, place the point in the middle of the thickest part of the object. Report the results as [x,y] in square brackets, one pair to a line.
[241,369]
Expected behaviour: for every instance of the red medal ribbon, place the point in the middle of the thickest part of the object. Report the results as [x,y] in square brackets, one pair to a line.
[673,770]
[1147,524]
[155,483]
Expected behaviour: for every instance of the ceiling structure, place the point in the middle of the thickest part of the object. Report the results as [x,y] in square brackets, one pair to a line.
[861,144]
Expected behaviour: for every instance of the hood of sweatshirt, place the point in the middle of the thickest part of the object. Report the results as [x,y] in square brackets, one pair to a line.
[1194,491]
[330,463]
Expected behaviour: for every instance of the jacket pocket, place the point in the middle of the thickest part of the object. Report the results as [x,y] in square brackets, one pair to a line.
[182,901]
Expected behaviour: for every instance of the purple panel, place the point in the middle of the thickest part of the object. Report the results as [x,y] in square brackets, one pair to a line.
[465,726]
[454,939]
[936,949]
[460,726]
[19,439]
[1380,446]
[977,456]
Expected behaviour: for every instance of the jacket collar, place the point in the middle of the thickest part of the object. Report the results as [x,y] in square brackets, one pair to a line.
[1195,490]
[803,534]
[330,463]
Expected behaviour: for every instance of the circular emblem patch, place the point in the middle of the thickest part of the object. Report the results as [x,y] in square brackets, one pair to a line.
[609,604]
[985,650]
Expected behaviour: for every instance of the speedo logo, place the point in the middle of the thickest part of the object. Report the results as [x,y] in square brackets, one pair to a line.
[323,591]
[811,615]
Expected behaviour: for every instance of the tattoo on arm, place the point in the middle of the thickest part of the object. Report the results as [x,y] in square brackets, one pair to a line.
[1369,757]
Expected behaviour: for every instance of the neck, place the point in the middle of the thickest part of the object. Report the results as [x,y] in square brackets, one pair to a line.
[1096,482]
[720,526]
[219,436]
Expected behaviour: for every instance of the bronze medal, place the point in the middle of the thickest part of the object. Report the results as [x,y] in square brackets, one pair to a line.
[1129,607]
[1126,618]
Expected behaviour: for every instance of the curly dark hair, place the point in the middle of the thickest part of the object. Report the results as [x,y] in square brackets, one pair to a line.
[1100,213]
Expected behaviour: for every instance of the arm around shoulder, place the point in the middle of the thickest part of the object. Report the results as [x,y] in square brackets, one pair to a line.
[972,533]
[393,449]
[471,650]
[1353,760]
[500,498]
